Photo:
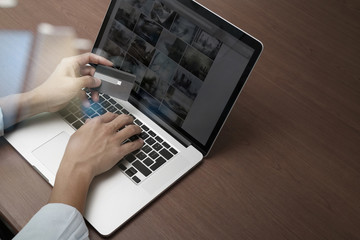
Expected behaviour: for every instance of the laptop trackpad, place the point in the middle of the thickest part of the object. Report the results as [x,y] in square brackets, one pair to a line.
[51,152]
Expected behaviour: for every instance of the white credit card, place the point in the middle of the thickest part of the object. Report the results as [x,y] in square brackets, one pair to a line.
[114,82]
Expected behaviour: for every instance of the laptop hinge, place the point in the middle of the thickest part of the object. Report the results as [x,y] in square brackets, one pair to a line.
[178,137]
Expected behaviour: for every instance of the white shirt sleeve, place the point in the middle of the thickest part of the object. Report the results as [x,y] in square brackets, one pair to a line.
[1,124]
[55,221]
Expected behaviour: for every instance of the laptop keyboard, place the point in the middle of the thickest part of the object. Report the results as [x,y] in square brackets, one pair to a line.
[137,165]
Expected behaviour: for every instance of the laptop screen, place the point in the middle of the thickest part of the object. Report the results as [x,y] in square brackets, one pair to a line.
[190,64]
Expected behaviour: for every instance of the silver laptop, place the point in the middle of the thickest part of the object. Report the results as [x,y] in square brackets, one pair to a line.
[190,66]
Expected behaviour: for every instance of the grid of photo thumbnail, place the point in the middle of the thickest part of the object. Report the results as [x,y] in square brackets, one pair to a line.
[169,55]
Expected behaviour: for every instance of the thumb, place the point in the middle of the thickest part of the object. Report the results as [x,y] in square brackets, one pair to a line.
[89,82]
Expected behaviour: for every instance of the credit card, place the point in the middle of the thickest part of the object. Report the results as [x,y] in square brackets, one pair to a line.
[114,82]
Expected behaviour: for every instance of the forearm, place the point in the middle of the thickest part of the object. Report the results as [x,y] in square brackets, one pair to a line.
[18,107]
[71,187]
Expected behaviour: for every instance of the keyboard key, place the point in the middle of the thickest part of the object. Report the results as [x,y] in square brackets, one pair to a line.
[173,151]
[159,162]
[136,179]
[130,158]
[122,166]
[146,148]
[72,108]
[166,154]
[148,162]
[124,111]
[141,155]
[138,122]
[142,168]
[89,112]
[111,109]
[159,139]
[79,114]
[96,106]
[105,104]
[152,133]
[145,128]
[153,155]
[144,135]
[77,124]
[118,106]
[105,96]
[71,118]
[94,115]
[112,101]
[101,111]
[157,146]
[83,119]
[150,141]
[131,171]
[165,144]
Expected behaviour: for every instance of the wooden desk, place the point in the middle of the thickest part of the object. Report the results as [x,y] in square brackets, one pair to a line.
[287,163]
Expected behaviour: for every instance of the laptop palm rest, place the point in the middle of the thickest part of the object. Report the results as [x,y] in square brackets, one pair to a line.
[174,169]
[51,152]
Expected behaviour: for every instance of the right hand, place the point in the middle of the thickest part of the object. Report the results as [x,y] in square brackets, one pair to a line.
[93,149]
[97,146]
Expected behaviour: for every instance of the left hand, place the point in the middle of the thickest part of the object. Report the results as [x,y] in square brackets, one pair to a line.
[67,81]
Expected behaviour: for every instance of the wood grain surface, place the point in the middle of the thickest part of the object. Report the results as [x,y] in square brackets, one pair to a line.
[287,162]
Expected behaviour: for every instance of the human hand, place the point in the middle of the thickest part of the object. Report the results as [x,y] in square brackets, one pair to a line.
[67,81]
[97,146]
[93,149]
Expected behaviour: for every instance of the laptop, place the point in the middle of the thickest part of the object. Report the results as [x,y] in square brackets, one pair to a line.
[190,66]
